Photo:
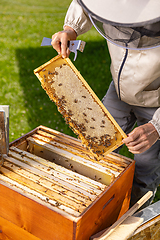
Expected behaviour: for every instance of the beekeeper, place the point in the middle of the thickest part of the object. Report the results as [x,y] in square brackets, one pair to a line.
[132,31]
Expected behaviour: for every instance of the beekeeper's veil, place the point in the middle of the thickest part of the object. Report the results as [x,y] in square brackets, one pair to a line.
[133,24]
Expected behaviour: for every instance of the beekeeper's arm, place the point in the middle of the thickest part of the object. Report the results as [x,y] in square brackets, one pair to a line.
[143,137]
[76,23]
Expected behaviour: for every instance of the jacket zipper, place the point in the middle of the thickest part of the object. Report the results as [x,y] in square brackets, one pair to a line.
[120,71]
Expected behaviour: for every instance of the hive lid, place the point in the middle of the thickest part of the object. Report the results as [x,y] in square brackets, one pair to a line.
[79,105]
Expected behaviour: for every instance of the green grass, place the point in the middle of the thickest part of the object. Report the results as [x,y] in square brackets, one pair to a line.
[23,25]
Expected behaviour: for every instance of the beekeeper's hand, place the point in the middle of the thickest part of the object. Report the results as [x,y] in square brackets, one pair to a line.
[141,138]
[60,41]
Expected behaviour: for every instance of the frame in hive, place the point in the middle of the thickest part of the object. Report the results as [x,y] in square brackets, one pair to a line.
[52,186]
[80,106]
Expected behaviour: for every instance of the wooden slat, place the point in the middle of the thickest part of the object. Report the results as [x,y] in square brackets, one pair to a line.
[113,158]
[75,149]
[74,143]
[58,187]
[61,190]
[59,199]
[109,168]
[76,163]
[52,174]
[37,197]
[32,160]
[65,187]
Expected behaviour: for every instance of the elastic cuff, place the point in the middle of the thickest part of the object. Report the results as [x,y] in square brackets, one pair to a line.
[156,125]
[75,27]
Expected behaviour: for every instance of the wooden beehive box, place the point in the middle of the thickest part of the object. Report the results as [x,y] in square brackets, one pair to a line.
[52,187]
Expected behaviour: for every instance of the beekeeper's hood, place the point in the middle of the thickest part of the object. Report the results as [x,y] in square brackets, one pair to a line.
[133,24]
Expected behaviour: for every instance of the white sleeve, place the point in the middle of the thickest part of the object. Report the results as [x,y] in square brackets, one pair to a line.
[77,19]
[156,120]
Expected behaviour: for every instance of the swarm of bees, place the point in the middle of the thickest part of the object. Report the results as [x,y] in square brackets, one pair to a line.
[79,109]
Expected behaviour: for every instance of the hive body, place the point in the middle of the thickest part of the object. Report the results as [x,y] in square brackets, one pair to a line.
[53,187]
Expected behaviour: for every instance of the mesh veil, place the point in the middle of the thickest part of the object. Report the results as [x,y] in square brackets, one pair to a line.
[141,37]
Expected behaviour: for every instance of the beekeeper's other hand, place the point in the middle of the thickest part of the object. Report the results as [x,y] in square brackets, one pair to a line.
[60,41]
[141,138]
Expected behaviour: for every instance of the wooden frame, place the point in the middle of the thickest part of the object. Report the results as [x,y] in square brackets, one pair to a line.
[58,61]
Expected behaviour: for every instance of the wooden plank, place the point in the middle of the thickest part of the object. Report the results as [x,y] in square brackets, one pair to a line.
[9,231]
